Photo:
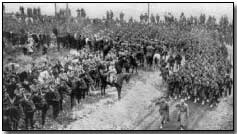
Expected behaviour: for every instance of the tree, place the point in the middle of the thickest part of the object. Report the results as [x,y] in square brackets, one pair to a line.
[224,23]
[29,12]
[169,18]
[121,17]
[111,15]
[130,20]
[78,13]
[35,12]
[18,15]
[153,20]
[69,12]
[191,19]
[141,18]
[83,13]
[157,18]
[146,17]
[202,19]
[211,22]
[107,15]
[22,12]
[195,20]
[38,11]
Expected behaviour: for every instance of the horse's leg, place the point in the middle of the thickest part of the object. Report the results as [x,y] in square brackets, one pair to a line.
[132,69]
[119,92]
[83,93]
[101,90]
[79,96]
[72,99]
[104,90]
[87,89]
[61,104]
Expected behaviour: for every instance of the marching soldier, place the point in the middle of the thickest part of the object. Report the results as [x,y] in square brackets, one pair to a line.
[183,114]
[29,109]
[164,112]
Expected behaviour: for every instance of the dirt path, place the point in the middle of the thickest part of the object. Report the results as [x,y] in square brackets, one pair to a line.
[135,110]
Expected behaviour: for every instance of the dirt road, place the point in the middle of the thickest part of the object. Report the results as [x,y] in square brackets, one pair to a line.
[135,110]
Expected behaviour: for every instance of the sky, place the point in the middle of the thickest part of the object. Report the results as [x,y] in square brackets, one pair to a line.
[98,10]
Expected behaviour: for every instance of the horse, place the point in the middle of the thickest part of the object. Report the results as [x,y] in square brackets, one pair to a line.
[119,82]
[95,77]
[156,60]
[140,56]
[106,49]
[133,63]
[74,84]
[149,59]
[119,65]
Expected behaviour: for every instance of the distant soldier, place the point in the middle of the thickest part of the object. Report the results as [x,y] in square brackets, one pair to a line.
[178,59]
[228,85]
[183,114]
[53,98]
[171,62]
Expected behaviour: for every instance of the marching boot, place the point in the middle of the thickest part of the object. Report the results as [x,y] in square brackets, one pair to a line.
[161,126]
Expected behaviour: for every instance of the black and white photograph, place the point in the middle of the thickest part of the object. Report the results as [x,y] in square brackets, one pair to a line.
[117,66]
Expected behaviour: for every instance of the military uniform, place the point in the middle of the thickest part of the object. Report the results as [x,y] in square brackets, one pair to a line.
[164,112]
[183,115]
[29,109]
[53,98]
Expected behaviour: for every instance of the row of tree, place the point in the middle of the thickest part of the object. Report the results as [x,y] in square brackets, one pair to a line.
[169,18]
[81,13]
[224,26]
